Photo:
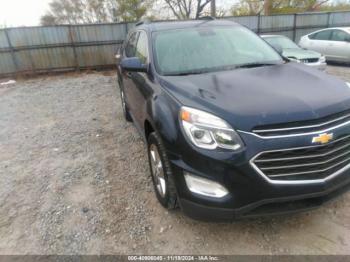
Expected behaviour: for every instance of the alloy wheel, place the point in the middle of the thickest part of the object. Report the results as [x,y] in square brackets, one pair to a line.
[157,170]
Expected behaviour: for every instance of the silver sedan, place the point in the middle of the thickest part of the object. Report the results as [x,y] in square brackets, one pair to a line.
[334,43]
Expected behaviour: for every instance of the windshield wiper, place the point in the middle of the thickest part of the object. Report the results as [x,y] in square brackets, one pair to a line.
[251,65]
[187,73]
[219,68]
[203,70]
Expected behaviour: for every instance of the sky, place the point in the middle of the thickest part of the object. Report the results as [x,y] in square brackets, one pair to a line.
[22,12]
[28,12]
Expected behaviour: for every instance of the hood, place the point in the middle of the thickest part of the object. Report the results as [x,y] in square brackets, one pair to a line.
[250,97]
[300,53]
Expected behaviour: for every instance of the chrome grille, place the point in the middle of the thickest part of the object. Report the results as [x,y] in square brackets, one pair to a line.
[305,163]
[304,127]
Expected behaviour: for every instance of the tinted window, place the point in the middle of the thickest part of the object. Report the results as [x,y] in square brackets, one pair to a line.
[284,42]
[339,35]
[312,36]
[142,49]
[209,49]
[323,35]
[130,48]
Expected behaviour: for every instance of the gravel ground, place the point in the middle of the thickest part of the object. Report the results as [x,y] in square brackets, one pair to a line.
[74,180]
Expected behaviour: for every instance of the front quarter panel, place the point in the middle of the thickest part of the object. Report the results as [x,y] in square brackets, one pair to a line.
[162,114]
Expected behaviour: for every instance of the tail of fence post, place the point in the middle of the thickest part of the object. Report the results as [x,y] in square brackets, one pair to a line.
[329,19]
[295,27]
[12,50]
[126,27]
[258,25]
[74,49]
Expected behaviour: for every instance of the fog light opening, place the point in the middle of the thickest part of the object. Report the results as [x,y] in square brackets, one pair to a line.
[205,187]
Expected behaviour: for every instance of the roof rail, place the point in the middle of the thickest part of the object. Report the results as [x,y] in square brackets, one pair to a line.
[146,21]
[208,17]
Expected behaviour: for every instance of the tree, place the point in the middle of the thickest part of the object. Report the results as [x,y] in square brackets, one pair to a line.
[247,7]
[47,20]
[254,7]
[314,5]
[94,11]
[336,7]
[133,10]
[186,9]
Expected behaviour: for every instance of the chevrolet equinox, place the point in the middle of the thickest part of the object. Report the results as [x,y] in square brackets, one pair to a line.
[232,128]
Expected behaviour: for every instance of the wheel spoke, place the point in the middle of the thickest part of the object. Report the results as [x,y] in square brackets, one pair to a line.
[123,101]
[159,166]
[153,155]
[162,185]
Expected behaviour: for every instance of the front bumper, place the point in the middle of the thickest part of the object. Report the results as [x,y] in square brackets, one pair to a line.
[250,193]
[266,207]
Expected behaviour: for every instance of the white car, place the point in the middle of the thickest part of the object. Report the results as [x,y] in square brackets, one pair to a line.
[334,43]
[294,52]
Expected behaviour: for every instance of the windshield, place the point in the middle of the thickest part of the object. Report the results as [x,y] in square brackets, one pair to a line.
[284,42]
[207,49]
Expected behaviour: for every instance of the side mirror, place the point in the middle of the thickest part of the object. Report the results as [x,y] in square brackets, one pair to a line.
[117,58]
[133,64]
[118,54]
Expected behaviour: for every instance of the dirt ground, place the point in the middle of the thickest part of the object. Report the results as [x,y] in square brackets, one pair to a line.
[74,180]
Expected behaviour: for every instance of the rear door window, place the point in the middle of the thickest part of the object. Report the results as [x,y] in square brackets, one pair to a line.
[339,35]
[323,35]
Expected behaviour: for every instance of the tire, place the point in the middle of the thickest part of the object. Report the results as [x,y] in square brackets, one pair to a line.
[125,108]
[166,196]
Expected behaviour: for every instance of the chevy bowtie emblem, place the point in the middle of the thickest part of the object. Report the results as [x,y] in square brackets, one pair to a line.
[322,138]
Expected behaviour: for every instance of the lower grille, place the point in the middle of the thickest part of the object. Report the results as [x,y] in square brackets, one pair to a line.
[310,60]
[306,163]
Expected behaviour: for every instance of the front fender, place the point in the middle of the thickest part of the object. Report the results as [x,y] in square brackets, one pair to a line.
[162,114]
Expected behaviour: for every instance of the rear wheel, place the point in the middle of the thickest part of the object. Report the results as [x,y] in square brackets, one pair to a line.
[162,175]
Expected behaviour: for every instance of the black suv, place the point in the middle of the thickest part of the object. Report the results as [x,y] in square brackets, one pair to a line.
[232,128]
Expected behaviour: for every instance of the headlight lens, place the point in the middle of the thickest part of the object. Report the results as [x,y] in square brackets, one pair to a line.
[294,59]
[208,131]
[348,84]
[322,59]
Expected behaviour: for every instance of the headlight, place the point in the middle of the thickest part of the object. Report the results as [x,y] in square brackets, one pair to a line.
[294,59]
[348,84]
[322,59]
[208,131]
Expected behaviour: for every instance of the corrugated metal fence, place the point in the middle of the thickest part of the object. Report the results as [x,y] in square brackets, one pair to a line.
[74,47]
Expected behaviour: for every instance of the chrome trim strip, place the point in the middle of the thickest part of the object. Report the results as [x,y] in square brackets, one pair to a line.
[295,135]
[302,165]
[305,147]
[300,127]
[301,157]
[311,172]
[298,182]
[295,182]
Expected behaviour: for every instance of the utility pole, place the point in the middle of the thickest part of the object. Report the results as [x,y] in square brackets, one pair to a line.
[213,8]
